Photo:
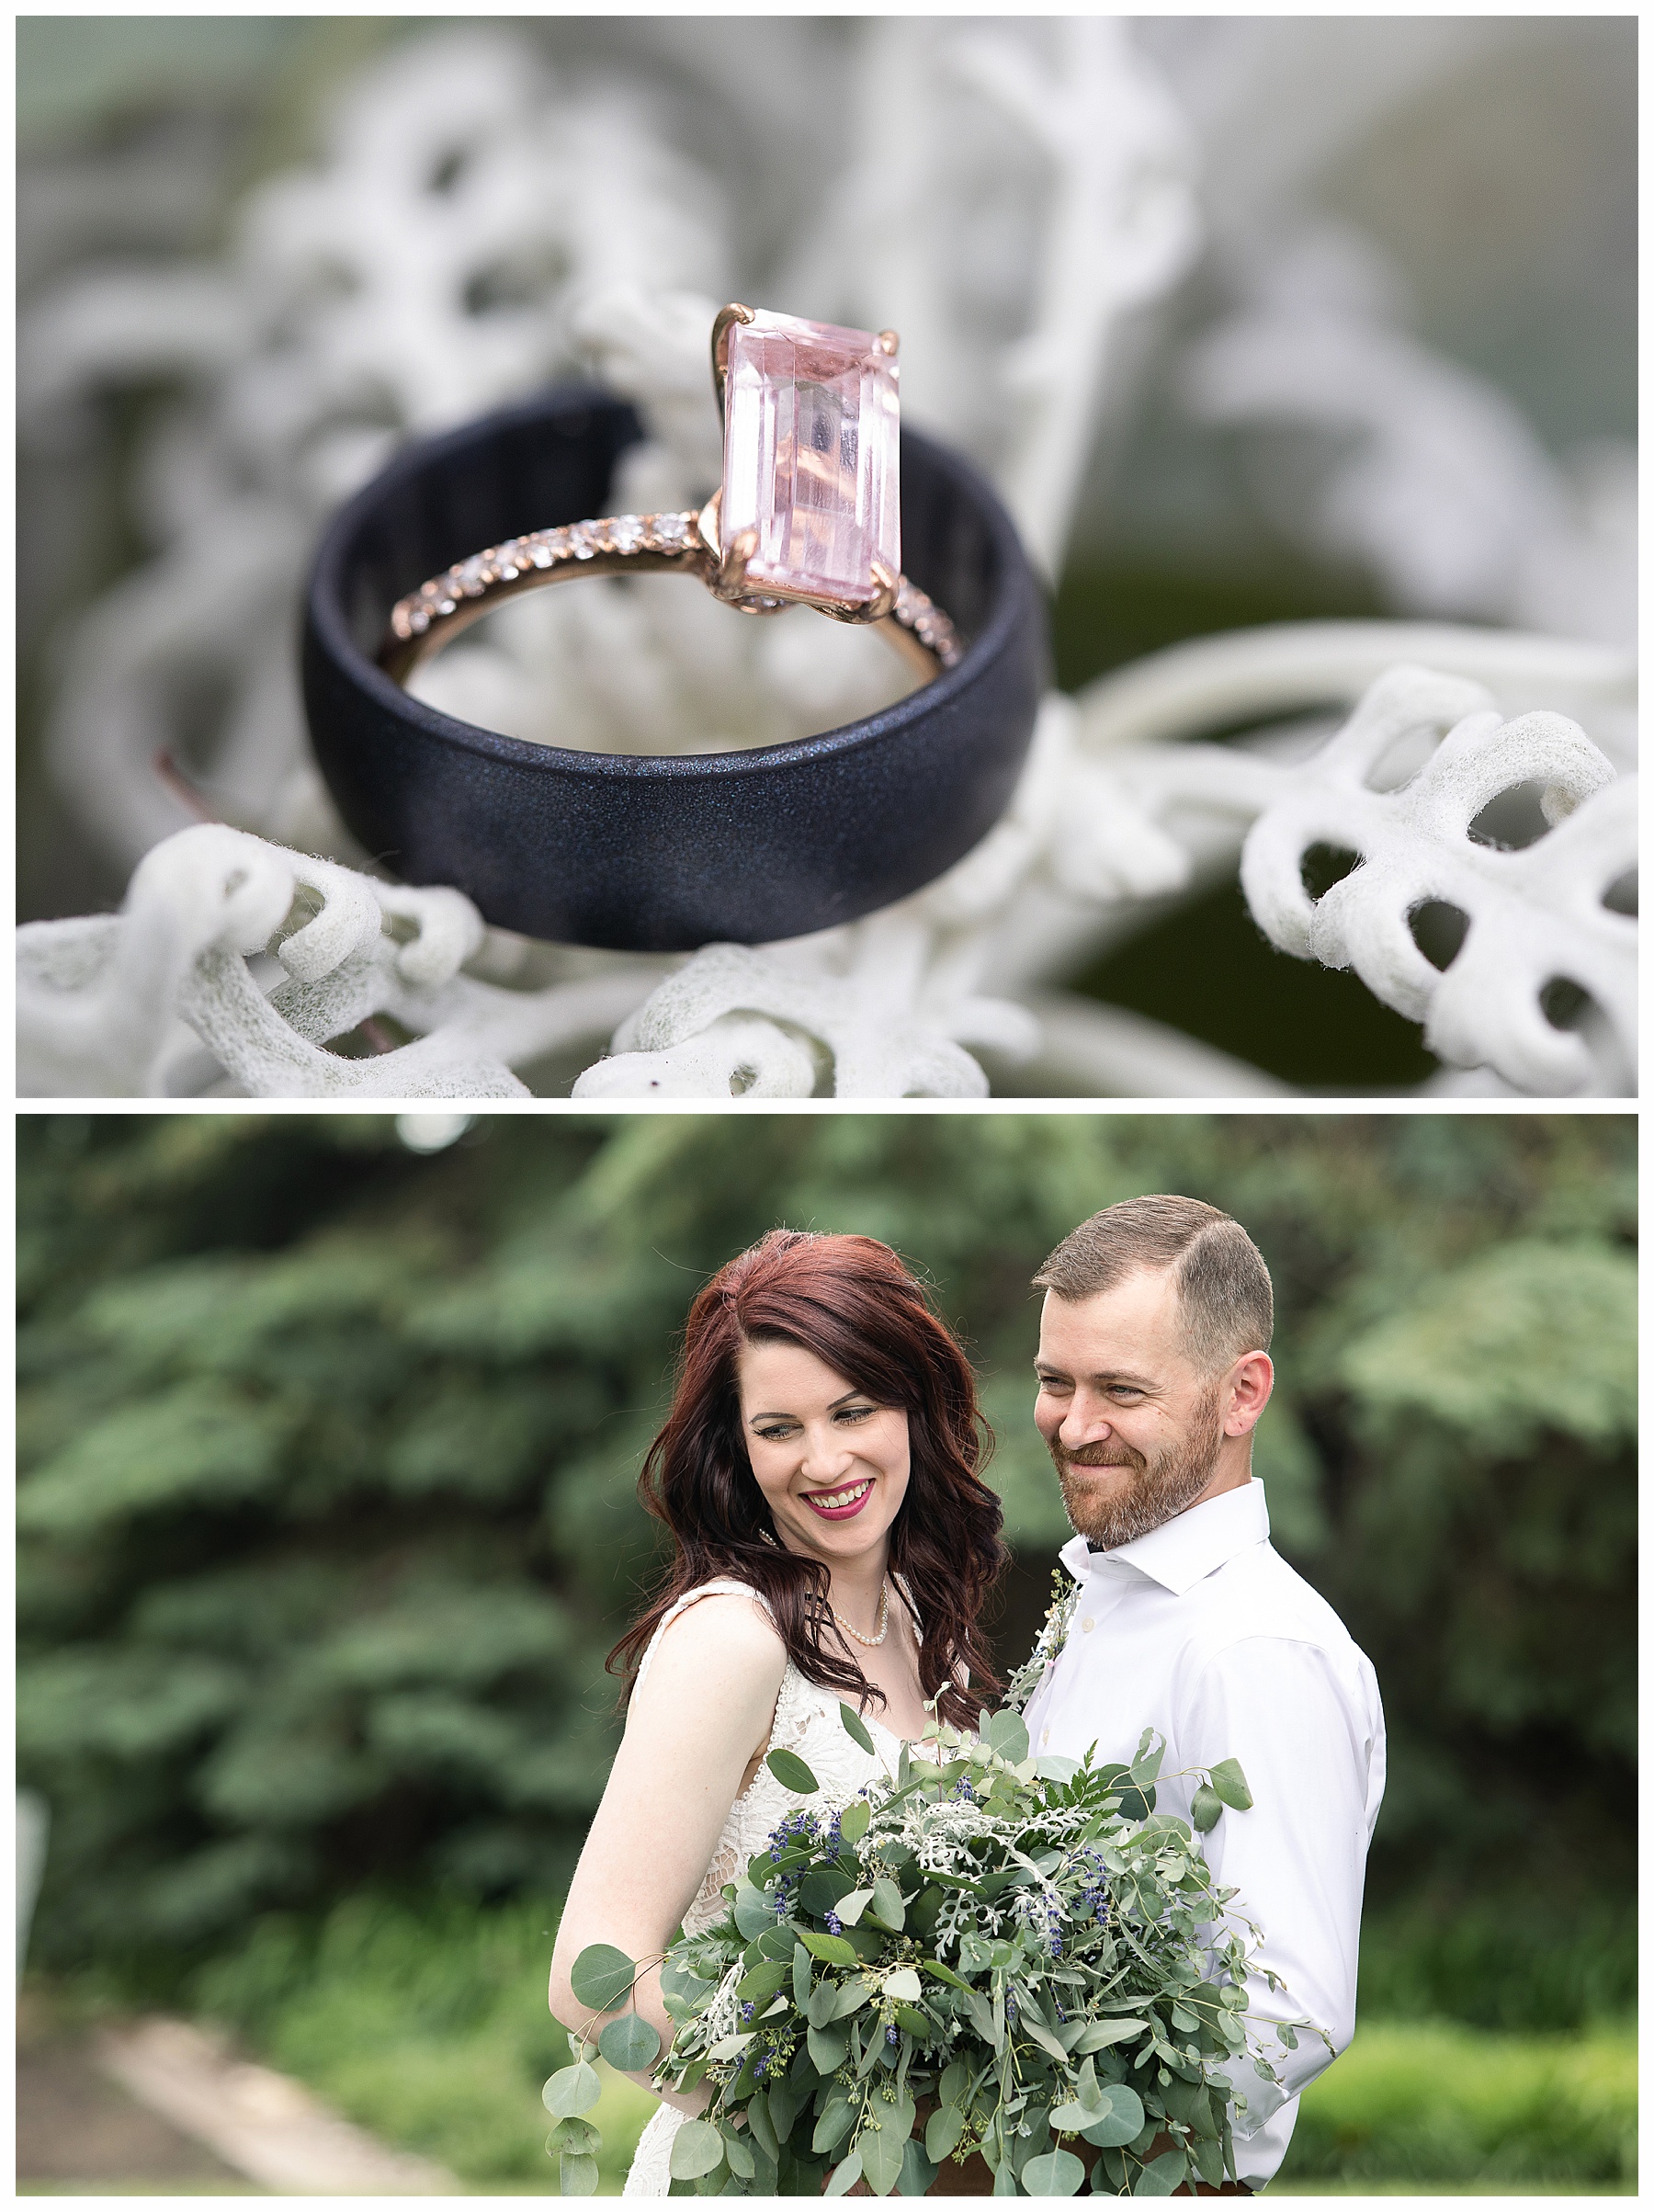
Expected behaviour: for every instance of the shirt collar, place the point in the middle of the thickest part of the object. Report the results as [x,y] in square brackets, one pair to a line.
[1186,1548]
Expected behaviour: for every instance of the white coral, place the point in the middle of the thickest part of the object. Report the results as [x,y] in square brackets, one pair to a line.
[474,224]
[100,1001]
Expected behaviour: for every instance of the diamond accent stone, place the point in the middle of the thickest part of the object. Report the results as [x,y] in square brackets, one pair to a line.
[672,529]
[625,533]
[810,456]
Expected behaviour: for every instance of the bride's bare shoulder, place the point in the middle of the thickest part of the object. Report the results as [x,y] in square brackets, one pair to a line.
[723,1641]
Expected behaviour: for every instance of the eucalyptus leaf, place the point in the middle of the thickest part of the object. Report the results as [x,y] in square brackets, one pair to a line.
[786,2102]
[855,1820]
[1030,2024]
[754,1914]
[1206,1809]
[792,1774]
[880,2149]
[855,1727]
[1231,1785]
[629,2044]
[572,2091]
[942,2132]
[742,2164]
[845,2177]
[762,1982]
[1053,2174]
[955,2082]
[903,1983]
[918,2171]
[832,1948]
[602,1977]
[886,1906]
[822,1890]
[838,2117]
[1007,1734]
[697,2149]
[938,1972]
[577,2174]
[1205,2154]
[578,2135]
[761,2120]
[851,1906]
[1160,2176]
[1119,2121]
[829,2048]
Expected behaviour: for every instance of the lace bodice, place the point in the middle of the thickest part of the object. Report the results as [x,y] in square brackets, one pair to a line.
[808,1722]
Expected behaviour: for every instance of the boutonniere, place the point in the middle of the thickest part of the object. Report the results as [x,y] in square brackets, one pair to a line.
[1047,1644]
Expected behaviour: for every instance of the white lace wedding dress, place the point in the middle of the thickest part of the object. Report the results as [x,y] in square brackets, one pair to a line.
[806,1721]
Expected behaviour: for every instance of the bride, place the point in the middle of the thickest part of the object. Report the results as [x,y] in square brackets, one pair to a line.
[834,1543]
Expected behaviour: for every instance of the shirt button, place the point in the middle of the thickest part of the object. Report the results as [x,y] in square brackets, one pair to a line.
[1087,1625]
[1045,1738]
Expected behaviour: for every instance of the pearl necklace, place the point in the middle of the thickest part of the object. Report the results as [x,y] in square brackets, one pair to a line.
[872,1642]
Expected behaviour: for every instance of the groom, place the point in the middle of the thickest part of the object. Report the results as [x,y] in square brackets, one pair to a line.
[1153,1370]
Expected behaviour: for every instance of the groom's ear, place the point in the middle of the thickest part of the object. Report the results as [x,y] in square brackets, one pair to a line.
[1251,1381]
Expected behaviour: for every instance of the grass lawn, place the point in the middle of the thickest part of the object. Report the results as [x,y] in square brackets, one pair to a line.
[1419,2104]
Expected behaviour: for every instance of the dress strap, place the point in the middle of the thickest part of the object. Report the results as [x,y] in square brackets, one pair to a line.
[724,1586]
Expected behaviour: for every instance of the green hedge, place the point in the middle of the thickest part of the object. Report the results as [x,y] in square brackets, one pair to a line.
[327,1453]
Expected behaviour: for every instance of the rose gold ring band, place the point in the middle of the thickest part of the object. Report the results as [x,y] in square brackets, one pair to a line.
[682,544]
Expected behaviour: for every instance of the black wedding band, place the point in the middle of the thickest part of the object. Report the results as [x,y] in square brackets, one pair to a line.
[660,853]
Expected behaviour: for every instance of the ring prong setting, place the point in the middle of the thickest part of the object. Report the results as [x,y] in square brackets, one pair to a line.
[733,564]
[723,324]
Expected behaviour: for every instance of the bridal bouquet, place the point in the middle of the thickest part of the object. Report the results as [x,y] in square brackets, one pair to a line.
[994,1954]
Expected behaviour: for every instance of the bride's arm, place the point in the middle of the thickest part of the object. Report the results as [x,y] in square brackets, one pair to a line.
[697,1723]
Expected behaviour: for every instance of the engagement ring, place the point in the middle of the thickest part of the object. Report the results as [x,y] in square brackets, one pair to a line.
[667,852]
[807,514]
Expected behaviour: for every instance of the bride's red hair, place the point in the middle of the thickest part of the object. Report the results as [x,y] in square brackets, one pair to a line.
[851,1301]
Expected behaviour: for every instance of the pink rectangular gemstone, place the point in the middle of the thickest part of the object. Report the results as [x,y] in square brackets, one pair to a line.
[810,440]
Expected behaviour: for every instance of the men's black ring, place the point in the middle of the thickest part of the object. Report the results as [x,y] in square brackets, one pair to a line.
[660,853]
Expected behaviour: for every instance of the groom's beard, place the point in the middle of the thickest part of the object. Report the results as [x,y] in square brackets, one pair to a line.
[1143,1492]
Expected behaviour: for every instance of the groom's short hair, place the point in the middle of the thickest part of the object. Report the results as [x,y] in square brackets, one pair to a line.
[1224,1293]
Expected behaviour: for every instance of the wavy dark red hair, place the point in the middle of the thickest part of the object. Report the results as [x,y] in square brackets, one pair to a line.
[852,1302]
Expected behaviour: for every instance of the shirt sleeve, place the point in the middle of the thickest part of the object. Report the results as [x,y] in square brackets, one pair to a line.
[1306,1742]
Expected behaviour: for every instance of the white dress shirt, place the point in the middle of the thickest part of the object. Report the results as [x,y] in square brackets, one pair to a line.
[1202,1631]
